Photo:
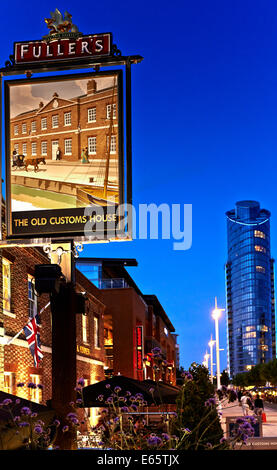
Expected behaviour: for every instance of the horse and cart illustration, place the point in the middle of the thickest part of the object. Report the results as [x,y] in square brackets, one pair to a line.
[19,161]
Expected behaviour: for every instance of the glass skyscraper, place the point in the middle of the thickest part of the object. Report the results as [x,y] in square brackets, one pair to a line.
[249,288]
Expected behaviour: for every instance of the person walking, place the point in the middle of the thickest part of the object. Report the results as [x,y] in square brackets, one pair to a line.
[258,406]
[246,404]
[58,154]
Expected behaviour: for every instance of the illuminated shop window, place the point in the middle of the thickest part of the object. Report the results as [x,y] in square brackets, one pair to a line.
[34,148]
[68,146]
[113,144]
[9,380]
[24,148]
[92,115]
[43,124]
[16,129]
[67,119]
[32,297]
[85,328]
[55,121]
[44,148]
[34,126]
[260,248]
[252,334]
[92,145]
[260,269]
[259,234]
[24,128]
[263,347]
[96,332]
[250,328]
[6,273]
[109,109]
[262,328]
[36,393]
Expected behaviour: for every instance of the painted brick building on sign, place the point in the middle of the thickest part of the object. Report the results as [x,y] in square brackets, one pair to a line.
[71,124]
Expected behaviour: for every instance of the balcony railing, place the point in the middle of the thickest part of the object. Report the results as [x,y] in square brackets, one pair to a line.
[113,283]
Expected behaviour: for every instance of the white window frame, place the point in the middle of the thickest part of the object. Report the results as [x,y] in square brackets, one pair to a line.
[24,148]
[43,123]
[44,148]
[92,145]
[55,121]
[66,142]
[16,148]
[24,128]
[92,114]
[67,118]
[33,126]
[7,287]
[34,148]
[113,144]
[109,109]
[10,376]
[16,129]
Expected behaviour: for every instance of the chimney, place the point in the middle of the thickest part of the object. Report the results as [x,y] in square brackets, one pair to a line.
[91,87]
[41,105]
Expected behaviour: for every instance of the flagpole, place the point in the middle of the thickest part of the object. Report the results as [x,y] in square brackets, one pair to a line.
[16,336]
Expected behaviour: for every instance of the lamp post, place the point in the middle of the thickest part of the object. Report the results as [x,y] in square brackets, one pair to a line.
[211,344]
[206,360]
[216,315]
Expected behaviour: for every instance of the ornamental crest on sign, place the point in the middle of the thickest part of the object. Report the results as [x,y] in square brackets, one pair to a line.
[61,26]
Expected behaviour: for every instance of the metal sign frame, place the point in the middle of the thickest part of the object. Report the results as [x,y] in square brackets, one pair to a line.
[95,64]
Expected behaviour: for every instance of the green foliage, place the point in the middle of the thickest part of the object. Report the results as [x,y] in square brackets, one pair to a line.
[258,375]
[193,412]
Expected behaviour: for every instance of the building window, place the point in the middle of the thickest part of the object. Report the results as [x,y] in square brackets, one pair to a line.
[24,128]
[91,114]
[9,382]
[32,297]
[96,332]
[34,148]
[36,392]
[16,148]
[85,328]
[44,148]
[43,124]
[16,129]
[34,126]
[260,248]
[68,147]
[92,145]
[67,119]
[109,109]
[55,121]
[260,269]
[259,234]
[6,272]
[24,148]
[113,144]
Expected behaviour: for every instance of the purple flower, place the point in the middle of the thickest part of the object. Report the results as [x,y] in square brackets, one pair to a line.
[40,386]
[117,389]
[7,402]
[81,382]
[165,436]
[154,440]
[100,397]
[25,411]
[57,423]
[38,429]
[16,419]
[65,429]
[31,385]
[34,415]
[210,402]
[109,400]
[108,385]
[17,401]
[23,424]
[124,409]
[134,407]
[20,384]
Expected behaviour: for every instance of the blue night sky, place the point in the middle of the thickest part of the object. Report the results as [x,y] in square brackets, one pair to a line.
[204,133]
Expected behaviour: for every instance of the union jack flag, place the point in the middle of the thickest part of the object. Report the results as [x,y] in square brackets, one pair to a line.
[32,333]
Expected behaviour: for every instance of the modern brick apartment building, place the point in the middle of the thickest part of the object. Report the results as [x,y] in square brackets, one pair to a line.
[89,120]
[19,300]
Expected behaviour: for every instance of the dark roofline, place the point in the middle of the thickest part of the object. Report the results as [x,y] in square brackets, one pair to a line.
[153,300]
[110,261]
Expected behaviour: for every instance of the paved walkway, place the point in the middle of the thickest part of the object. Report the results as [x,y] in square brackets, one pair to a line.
[269,428]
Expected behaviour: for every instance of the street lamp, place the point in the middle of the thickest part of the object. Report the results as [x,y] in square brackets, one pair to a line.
[216,315]
[206,360]
[211,344]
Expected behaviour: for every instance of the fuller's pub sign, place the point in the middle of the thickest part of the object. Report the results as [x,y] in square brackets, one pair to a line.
[64,42]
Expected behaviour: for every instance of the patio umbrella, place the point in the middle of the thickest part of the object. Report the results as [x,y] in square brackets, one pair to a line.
[159,394]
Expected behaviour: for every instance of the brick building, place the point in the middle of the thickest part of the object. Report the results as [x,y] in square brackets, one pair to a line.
[89,120]
[134,323]
[19,300]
